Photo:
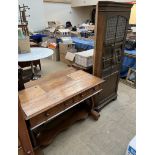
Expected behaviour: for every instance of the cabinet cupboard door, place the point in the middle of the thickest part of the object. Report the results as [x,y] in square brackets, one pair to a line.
[115,29]
[111,30]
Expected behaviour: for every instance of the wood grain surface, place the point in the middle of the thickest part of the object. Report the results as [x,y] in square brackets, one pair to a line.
[52,90]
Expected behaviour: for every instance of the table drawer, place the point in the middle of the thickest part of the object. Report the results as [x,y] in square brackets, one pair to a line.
[45,116]
[69,103]
[99,87]
[91,91]
[78,98]
[82,96]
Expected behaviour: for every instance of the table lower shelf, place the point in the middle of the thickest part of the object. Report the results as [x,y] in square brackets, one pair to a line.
[45,134]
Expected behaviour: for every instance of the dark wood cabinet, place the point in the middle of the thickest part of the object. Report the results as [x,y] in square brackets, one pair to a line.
[112,20]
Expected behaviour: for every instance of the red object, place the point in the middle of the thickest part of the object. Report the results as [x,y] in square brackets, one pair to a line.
[52,45]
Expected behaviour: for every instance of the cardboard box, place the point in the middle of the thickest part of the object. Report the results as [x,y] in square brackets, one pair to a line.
[54,24]
[46,41]
[91,37]
[49,39]
[64,48]
[75,34]
[24,45]
[84,58]
[64,60]
[70,56]
[55,56]
[131,150]
[49,31]
[51,43]
[63,33]
[66,40]
[88,27]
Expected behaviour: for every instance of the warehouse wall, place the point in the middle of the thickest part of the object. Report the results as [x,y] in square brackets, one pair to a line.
[41,12]
[64,12]
[36,19]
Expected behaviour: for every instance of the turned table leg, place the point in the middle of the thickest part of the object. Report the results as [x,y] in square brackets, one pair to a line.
[94,113]
[38,152]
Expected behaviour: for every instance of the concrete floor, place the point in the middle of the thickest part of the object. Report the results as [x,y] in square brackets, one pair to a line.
[109,135]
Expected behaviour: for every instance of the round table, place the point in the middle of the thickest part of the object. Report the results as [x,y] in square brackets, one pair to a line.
[36,53]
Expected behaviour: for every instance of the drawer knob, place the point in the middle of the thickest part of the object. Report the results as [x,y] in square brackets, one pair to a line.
[95,88]
[66,103]
[38,134]
[82,95]
[47,114]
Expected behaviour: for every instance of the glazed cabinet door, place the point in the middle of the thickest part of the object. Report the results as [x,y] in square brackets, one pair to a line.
[110,42]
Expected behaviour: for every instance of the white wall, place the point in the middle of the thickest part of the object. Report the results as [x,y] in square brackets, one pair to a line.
[63,12]
[41,12]
[77,3]
[36,19]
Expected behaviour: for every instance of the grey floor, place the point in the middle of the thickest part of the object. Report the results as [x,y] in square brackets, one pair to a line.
[109,135]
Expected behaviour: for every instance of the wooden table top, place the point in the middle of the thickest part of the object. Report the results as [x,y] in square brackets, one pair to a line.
[49,91]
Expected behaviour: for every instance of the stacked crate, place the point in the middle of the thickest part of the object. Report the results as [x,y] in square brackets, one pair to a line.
[85,58]
[63,49]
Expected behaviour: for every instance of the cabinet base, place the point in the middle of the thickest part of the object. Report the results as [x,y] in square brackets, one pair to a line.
[103,103]
[38,152]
